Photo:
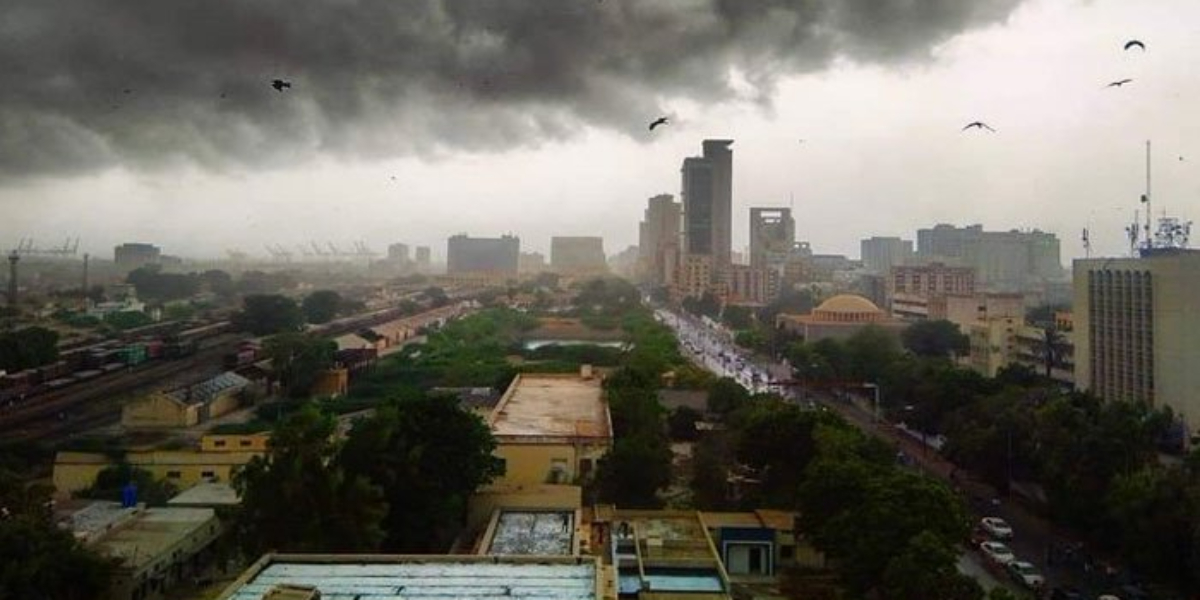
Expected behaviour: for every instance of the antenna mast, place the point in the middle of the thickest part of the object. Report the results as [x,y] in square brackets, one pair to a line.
[1149,240]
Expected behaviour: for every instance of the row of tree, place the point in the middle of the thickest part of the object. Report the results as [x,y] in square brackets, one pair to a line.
[27,348]
[265,314]
[153,285]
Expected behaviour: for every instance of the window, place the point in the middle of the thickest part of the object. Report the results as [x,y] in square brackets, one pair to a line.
[174,474]
[558,471]
[244,443]
[208,474]
[219,443]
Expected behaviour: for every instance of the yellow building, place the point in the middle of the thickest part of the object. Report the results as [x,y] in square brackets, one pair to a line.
[74,471]
[186,406]
[550,431]
[839,317]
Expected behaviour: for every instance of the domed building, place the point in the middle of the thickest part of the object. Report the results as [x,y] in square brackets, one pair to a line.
[838,317]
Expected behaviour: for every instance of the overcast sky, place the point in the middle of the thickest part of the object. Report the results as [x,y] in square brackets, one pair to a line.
[142,120]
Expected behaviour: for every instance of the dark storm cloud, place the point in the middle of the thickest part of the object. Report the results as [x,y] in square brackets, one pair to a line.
[86,84]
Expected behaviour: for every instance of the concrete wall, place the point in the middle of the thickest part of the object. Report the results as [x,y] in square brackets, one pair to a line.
[531,464]
[74,471]
[158,411]
[235,442]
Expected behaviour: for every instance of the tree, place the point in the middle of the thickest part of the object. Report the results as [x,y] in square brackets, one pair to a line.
[39,559]
[1154,515]
[265,314]
[428,455]
[321,306]
[128,319]
[152,284]
[738,317]
[711,458]
[218,282]
[776,439]
[705,306]
[925,569]
[1052,348]
[935,339]
[870,351]
[726,395]
[299,359]
[682,423]
[258,282]
[28,348]
[111,481]
[436,296]
[631,474]
[297,498]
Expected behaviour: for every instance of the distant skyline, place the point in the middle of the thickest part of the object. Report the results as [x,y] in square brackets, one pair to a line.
[879,110]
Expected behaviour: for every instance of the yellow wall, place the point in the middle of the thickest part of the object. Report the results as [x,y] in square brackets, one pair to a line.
[491,497]
[528,464]
[223,404]
[158,411]
[74,471]
[332,383]
[235,442]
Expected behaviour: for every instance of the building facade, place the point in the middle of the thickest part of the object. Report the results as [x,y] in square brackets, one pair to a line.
[1003,260]
[658,240]
[131,256]
[1137,329]
[772,235]
[920,291]
[880,254]
[708,203]
[750,285]
[577,254]
[499,256]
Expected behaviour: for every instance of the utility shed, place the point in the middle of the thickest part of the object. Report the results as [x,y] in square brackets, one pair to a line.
[379,577]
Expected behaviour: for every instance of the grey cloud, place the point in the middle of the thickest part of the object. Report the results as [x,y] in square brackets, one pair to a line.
[390,77]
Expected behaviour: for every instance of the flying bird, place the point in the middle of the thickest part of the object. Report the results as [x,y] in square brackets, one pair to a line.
[978,125]
[1119,83]
[1132,43]
[279,84]
[657,122]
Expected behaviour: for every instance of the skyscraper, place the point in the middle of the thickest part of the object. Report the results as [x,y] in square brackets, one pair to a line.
[708,204]
[577,254]
[772,234]
[880,254]
[658,239]
[1005,261]
[1137,329]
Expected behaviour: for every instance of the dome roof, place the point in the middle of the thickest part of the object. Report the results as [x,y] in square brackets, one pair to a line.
[848,303]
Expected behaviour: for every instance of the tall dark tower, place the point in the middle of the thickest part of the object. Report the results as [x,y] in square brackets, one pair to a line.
[13,258]
[84,289]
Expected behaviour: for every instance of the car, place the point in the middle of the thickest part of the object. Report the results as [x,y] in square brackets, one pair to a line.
[1067,593]
[1026,574]
[996,527]
[997,552]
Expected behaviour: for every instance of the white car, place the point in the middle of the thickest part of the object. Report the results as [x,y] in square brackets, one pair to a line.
[996,527]
[997,552]
[1025,574]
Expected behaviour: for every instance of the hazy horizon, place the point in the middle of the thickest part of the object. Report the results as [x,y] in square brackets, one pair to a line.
[463,118]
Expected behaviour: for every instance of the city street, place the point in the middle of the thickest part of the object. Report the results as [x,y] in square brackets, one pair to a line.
[1033,535]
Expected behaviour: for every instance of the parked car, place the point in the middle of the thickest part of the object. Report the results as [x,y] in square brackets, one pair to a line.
[996,527]
[997,552]
[1025,574]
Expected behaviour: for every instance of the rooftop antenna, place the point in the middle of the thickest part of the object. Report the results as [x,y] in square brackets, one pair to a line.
[1087,244]
[1148,243]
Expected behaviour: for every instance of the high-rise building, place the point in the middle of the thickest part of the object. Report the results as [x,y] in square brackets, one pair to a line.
[708,204]
[772,235]
[398,252]
[1137,329]
[750,285]
[658,240]
[578,254]
[1004,260]
[531,262]
[134,255]
[880,254]
[423,258]
[496,256]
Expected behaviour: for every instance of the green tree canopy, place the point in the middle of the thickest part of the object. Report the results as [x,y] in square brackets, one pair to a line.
[298,499]
[321,306]
[726,395]
[110,482]
[738,317]
[631,474]
[935,339]
[870,351]
[128,319]
[682,423]
[925,570]
[265,314]
[28,348]
[428,456]
[299,359]
[152,284]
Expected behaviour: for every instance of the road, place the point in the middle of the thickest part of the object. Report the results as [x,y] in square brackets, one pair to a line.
[714,349]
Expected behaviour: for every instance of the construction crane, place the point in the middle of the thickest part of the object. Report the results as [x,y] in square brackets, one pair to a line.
[27,247]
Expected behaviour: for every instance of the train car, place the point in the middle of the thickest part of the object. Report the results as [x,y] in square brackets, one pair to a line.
[179,349]
[110,367]
[205,331]
[88,374]
[133,354]
[54,370]
[154,349]
[244,356]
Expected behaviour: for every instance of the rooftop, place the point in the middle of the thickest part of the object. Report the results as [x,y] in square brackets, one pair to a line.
[96,518]
[152,533]
[379,577]
[538,405]
[538,533]
[208,493]
[209,389]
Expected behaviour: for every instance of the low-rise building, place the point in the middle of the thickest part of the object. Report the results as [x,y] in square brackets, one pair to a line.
[758,545]
[154,548]
[75,471]
[839,317]
[423,577]
[185,406]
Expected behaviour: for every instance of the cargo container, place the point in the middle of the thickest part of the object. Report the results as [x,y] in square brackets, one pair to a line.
[154,349]
[133,354]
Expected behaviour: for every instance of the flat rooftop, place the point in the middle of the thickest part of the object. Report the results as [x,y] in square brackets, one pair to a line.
[378,577]
[153,533]
[560,406]
[207,493]
[537,533]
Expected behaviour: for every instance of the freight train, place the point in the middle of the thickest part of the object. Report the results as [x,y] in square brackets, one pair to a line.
[82,364]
